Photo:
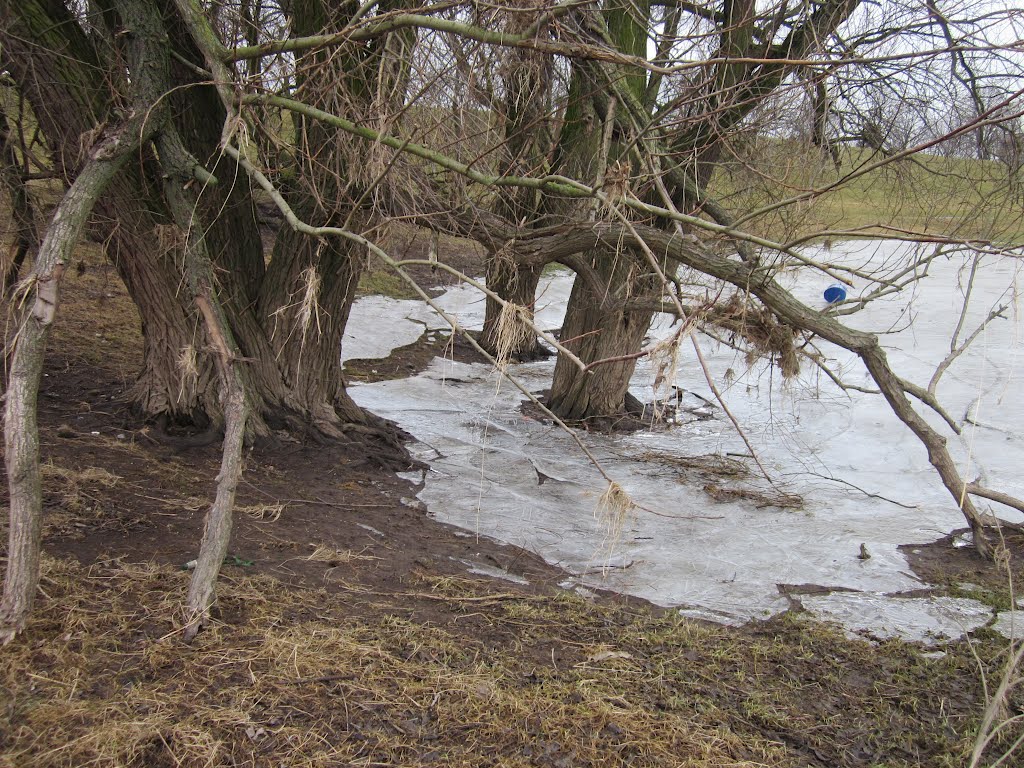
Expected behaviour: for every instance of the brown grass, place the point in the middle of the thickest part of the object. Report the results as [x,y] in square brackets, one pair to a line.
[112,686]
[714,469]
[760,498]
[291,676]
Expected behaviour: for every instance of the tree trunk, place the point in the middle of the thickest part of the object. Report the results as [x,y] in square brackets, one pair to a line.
[293,385]
[511,337]
[60,74]
[22,214]
[199,274]
[527,144]
[597,328]
[21,431]
[308,297]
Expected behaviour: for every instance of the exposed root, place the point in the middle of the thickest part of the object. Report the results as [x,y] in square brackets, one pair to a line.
[212,434]
[383,445]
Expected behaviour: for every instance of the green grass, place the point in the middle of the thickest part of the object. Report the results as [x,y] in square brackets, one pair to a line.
[959,198]
[386,283]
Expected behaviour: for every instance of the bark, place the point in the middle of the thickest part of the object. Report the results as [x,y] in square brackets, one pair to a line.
[232,390]
[60,70]
[310,289]
[21,432]
[290,319]
[311,282]
[597,326]
[735,88]
[60,73]
[512,338]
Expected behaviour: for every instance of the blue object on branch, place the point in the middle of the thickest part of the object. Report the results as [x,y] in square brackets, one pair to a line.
[835,293]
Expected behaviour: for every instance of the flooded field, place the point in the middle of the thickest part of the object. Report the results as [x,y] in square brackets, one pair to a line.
[847,483]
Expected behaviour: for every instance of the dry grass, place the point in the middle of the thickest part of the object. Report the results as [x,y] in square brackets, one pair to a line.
[111,685]
[337,557]
[79,501]
[292,677]
[762,333]
[78,477]
[614,508]
[713,469]
[708,463]
[97,322]
[955,197]
[268,513]
[760,498]
[513,332]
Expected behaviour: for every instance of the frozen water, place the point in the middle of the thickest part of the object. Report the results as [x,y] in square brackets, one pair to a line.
[864,477]
[906,618]
[1010,624]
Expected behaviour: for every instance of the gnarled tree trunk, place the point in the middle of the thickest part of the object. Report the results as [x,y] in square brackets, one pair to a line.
[525,117]
[598,325]
[292,347]
[601,328]
[60,73]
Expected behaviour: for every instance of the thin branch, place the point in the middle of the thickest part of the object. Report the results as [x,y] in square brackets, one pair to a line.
[1003,498]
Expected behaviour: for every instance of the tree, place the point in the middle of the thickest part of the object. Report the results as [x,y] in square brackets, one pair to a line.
[636,169]
[80,79]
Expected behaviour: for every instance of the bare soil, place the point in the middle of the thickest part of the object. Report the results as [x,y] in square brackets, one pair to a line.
[350,631]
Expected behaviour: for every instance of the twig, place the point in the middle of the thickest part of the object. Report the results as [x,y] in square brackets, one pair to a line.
[869,494]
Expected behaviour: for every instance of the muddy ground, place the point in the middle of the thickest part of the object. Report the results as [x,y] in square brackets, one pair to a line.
[350,629]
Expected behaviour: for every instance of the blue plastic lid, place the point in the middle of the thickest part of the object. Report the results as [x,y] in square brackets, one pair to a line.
[835,293]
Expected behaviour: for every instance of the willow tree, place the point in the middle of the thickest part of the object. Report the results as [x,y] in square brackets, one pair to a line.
[522,108]
[631,131]
[287,312]
[135,128]
[630,194]
[656,174]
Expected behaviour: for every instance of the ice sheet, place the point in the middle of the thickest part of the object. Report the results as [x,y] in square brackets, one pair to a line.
[499,473]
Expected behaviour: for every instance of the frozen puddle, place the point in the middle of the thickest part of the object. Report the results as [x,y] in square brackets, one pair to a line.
[706,536]
[907,618]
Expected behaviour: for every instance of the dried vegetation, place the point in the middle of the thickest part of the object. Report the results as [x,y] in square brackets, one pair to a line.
[291,676]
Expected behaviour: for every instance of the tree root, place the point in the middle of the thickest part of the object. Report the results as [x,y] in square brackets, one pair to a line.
[212,434]
[383,445]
